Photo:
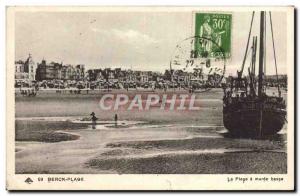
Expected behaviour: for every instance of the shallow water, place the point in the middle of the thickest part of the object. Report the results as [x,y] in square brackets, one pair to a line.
[136,135]
[72,156]
[208,130]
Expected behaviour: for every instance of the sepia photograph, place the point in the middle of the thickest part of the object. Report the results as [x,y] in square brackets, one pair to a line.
[202,93]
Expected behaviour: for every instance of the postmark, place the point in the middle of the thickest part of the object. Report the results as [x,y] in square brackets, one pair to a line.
[195,69]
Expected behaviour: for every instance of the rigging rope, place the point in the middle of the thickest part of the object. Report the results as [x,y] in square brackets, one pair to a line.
[274,52]
[244,60]
[265,48]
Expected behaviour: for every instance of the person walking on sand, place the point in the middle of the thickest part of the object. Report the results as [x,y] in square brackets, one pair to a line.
[94,119]
[116,119]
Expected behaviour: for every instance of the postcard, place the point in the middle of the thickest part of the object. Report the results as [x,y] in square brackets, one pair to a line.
[150,98]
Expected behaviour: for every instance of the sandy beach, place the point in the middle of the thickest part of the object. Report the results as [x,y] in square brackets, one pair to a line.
[154,142]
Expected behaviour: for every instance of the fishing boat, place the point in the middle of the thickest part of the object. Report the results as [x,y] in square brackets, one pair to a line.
[247,109]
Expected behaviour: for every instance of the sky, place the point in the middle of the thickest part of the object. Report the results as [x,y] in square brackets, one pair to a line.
[131,40]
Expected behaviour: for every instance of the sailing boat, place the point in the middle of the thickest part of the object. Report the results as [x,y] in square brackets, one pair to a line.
[247,109]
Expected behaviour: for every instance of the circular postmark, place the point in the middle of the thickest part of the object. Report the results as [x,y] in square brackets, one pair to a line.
[198,64]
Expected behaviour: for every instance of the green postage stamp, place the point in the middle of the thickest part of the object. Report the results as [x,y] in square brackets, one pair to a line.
[214,35]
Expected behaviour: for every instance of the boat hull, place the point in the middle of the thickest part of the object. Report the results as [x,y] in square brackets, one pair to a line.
[254,122]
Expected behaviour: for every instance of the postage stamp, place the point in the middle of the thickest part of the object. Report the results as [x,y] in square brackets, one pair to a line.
[216,29]
[150,98]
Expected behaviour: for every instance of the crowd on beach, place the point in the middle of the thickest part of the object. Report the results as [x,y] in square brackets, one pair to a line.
[77,87]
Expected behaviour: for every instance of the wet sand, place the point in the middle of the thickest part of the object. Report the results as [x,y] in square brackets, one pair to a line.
[49,141]
[41,131]
[194,163]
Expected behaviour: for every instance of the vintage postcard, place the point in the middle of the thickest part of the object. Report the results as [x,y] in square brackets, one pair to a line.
[150,98]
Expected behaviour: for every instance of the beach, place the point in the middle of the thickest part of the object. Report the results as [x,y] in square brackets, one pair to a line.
[50,138]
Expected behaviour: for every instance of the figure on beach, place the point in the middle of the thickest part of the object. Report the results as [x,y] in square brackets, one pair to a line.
[116,119]
[94,119]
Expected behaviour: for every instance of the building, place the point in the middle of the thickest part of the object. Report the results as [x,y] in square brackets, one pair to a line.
[107,74]
[79,72]
[25,70]
[20,74]
[156,76]
[95,75]
[111,75]
[67,72]
[180,76]
[49,71]
[58,71]
[120,75]
[142,76]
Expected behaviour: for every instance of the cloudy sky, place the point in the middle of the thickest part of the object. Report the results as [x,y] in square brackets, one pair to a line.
[137,40]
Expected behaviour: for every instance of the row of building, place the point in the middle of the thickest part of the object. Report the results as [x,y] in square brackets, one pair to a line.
[28,70]
[119,75]
[58,71]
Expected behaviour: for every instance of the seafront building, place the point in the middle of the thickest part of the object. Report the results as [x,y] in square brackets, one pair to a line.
[58,71]
[119,75]
[25,70]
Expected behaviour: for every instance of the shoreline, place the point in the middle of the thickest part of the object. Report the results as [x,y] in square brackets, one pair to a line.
[227,163]
[120,149]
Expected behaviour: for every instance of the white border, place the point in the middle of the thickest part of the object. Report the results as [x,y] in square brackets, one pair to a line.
[112,2]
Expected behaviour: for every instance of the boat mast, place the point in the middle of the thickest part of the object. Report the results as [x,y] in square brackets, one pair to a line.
[240,73]
[254,54]
[261,53]
[252,67]
[274,53]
